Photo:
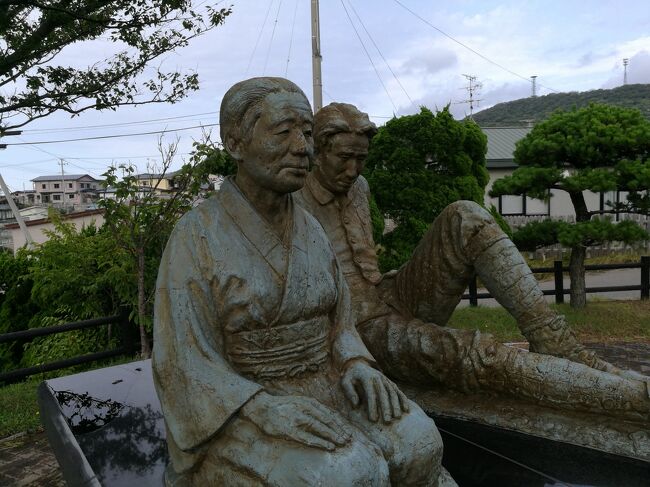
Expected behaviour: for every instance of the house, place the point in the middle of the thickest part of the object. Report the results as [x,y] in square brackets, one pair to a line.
[5,210]
[501,143]
[165,184]
[38,228]
[25,197]
[161,183]
[66,189]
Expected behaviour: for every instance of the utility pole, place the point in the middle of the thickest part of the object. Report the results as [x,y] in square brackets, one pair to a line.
[17,215]
[626,61]
[534,85]
[61,163]
[316,57]
[9,197]
[472,88]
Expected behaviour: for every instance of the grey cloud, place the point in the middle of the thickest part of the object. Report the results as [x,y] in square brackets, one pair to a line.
[591,57]
[638,71]
[430,62]
[438,99]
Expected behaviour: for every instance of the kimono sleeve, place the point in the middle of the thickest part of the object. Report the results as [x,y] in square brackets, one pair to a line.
[347,344]
[198,390]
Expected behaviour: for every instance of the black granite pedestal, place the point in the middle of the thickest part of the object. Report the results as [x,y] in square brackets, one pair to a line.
[105,426]
[106,429]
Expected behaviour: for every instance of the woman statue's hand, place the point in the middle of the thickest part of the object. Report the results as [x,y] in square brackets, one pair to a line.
[383,398]
[297,418]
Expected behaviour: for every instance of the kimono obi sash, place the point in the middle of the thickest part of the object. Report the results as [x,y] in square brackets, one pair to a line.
[280,352]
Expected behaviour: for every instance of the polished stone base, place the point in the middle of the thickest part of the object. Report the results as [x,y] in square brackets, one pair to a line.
[106,429]
[105,426]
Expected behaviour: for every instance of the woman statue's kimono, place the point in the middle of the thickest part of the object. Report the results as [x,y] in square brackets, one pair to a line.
[262,377]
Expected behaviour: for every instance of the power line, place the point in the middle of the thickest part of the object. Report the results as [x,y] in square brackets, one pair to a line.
[250,60]
[120,124]
[92,173]
[379,51]
[368,55]
[40,161]
[275,24]
[293,25]
[58,156]
[126,157]
[467,47]
[115,136]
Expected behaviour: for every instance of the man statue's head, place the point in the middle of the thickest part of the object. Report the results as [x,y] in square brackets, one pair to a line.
[266,126]
[342,135]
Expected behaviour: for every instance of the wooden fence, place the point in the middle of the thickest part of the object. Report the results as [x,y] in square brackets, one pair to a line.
[559,291]
[128,345]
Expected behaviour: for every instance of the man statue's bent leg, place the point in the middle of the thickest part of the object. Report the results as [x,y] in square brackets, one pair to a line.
[465,240]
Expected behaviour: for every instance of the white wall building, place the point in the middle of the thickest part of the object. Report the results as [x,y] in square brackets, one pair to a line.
[66,190]
[38,228]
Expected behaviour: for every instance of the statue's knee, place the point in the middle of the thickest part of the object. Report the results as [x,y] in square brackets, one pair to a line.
[358,463]
[421,441]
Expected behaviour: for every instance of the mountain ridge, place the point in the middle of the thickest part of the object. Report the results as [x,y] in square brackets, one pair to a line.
[521,112]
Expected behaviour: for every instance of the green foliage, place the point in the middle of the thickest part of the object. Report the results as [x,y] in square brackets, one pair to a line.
[397,246]
[599,231]
[596,136]
[213,159]
[536,235]
[16,306]
[597,148]
[501,221]
[377,220]
[416,166]
[534,181]
[140,221]
[93,272]
[74,275]
[510,114]
[35,33]
[66,345]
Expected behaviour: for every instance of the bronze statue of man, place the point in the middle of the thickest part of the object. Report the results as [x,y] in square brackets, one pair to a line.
[262,376]
[401,315]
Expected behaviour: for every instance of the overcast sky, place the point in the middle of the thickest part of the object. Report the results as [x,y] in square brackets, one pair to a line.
[571,45]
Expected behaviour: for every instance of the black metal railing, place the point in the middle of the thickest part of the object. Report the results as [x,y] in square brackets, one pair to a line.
[127,338]
[559,290]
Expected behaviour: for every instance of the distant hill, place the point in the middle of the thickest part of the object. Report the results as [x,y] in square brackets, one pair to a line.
[515,113]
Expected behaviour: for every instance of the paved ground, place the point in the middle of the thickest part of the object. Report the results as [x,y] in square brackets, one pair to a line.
[27,460]
[617,277]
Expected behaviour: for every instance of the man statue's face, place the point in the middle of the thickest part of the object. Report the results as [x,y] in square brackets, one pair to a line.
[341,164]
[281,146]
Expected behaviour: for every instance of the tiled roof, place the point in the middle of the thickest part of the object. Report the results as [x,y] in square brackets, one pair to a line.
[64,177]
[501,144]
[149,175]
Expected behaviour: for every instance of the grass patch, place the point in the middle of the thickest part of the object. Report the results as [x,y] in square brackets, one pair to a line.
[604,320]
[18,404]
[600,321]
[18,408]
[496,321]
